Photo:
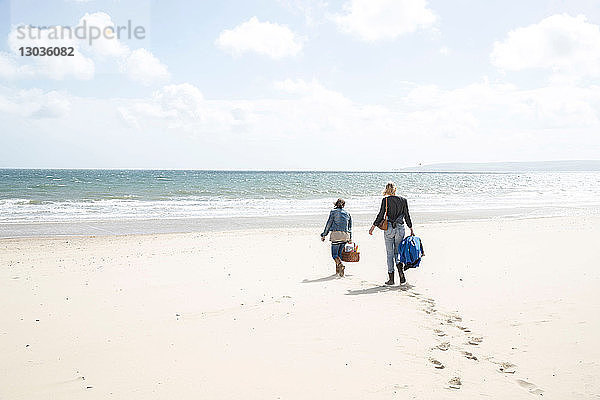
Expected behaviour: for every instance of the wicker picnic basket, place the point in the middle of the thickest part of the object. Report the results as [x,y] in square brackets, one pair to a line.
[350,253]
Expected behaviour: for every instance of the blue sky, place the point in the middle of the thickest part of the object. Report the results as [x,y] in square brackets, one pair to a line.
[303,84]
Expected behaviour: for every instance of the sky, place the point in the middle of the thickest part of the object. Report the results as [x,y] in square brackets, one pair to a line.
[299,84]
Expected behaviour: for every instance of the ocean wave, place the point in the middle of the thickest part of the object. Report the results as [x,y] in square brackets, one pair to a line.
[27,210]
[114,195]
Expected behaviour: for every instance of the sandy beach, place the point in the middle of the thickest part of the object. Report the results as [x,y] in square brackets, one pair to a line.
[509,307]
[169,172]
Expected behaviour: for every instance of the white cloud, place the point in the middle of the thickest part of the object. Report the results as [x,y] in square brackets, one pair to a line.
[50,105]
[10,68]
[103,47]
[143,67]
[372,20]
[312,91]
[304,118]
[35,103]
[501,109]
[474,113]
[179,107]
[128,117]
[182,100]
[561,43]
[266,38]
[139,65]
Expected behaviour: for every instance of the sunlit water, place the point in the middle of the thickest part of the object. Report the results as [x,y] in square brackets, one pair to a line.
[86,195]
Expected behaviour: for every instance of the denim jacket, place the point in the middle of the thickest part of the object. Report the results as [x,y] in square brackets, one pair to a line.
[339,220]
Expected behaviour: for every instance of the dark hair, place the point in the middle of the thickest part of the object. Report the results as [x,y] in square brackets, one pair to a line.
[340,203]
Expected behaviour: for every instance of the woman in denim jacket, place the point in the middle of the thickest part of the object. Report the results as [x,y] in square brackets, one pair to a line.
[339,224]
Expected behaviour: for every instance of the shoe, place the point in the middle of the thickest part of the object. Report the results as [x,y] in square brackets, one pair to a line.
[342,268]
[391,280]
[401,273]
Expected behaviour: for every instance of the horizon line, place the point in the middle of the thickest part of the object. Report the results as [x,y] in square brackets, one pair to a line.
[414,168]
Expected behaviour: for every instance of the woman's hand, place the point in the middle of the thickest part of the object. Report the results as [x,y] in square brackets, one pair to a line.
[372,229]
[322,238]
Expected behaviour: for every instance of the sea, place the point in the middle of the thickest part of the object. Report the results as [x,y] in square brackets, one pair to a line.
[95,201]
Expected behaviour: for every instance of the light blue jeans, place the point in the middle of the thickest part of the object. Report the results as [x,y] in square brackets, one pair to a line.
[393,237]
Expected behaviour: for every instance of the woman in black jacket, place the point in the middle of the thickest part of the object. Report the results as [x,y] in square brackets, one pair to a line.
[394,209]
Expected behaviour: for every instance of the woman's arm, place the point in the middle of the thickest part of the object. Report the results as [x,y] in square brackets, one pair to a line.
[328,224]
[381,214]
[379,217]
[407,217]
[350,225]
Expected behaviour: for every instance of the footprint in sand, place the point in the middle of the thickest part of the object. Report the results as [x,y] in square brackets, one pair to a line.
[475,341]
[464,329]
[454,383]
[470,355]
[437,364]
[452,318]
[443,346]
[507,368]
[439,332]
[530,387]
[429,310]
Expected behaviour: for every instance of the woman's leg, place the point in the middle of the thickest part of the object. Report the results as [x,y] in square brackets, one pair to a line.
[334,251]
[341,266]
[390,241]
[336,254]
[398,237]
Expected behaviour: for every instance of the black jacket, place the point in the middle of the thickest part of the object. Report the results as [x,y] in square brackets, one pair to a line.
[397,209]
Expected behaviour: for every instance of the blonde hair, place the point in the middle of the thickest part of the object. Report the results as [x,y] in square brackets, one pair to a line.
[390,189]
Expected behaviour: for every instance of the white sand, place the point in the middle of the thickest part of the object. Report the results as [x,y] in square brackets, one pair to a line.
[258,315]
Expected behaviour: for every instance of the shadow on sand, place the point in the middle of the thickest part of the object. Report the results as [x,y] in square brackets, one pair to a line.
[380,289]
[324,279]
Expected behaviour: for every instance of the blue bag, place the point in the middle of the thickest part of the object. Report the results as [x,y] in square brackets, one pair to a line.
[410,252]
